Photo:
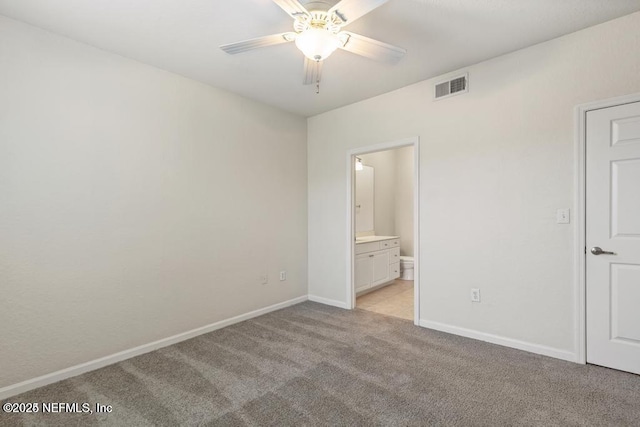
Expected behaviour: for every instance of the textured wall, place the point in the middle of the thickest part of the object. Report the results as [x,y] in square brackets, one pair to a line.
[135,204]
[495,164]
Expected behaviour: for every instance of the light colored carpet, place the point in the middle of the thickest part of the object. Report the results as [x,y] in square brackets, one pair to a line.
[312,364]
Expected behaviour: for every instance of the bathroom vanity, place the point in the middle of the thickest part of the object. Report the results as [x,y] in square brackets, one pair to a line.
[377,261]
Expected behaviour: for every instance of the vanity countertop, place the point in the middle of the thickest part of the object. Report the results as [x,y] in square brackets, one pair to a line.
[367,239]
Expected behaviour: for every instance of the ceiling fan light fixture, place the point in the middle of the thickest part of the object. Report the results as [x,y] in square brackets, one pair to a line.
[317,43]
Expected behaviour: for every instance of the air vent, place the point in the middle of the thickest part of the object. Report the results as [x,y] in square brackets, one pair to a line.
[451,87]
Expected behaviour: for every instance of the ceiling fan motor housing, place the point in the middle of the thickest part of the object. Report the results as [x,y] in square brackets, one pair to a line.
[317,19]
[321,5]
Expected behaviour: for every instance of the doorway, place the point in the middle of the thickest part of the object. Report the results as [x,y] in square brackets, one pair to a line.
[610,144]
[383,243]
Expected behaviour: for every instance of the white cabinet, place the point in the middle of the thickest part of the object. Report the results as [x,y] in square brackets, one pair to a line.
[363,272]
[380,267]
[376,263]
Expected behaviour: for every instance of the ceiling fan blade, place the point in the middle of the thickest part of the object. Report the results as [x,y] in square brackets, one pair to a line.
[371,48]
[293,8]
[243,46]
[350,10]
[312,71]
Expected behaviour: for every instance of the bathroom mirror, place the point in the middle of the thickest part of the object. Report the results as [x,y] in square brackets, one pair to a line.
[364,200]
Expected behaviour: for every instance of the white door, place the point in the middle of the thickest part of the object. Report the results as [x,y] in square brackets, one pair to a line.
[613,225]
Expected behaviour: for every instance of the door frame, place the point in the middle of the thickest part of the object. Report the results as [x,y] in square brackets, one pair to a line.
[350,167]
[580,211]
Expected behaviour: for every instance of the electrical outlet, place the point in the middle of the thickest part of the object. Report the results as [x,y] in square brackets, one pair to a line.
[264,279]
[475,295]
[563,216]
[283,275]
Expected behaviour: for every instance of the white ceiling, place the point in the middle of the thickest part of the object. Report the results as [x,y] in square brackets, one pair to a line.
[183,37]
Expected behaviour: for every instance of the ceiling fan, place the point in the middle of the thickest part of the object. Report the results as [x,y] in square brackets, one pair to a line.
[317,32]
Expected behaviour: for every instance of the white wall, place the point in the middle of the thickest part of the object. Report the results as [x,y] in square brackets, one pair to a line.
[364,201]
[135,204]
[384,167]
[393,194]
[403,215]
[495,164]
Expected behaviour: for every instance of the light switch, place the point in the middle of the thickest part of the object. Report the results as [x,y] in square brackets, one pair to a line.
[563,216]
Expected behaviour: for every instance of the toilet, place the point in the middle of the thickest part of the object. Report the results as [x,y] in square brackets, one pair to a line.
[406,267]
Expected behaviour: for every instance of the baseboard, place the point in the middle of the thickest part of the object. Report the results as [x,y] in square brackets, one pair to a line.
[63,374]
[328,301]
[497,339]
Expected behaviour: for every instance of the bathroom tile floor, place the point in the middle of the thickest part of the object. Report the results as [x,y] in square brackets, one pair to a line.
[395,300]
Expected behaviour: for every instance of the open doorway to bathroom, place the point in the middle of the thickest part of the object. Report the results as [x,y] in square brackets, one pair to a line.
[384,230]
